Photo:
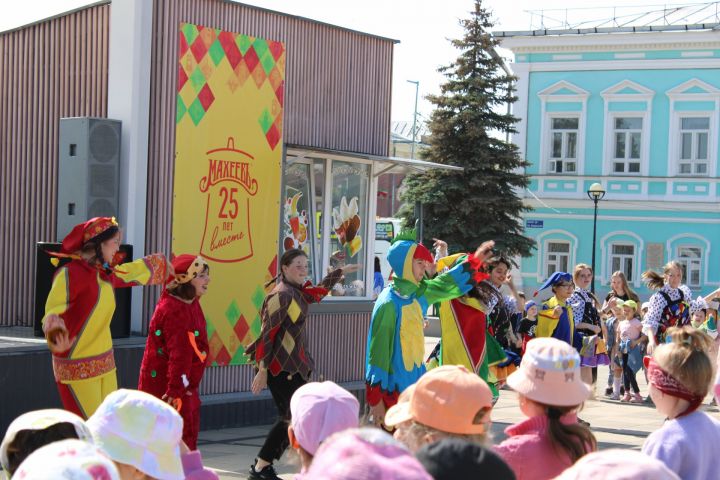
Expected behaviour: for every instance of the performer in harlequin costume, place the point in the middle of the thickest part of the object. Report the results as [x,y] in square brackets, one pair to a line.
[80,306]
[555,317]
[177,344]
[396,343]
[464,339]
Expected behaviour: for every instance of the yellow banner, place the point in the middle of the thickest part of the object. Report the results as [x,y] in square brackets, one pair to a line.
[226,195]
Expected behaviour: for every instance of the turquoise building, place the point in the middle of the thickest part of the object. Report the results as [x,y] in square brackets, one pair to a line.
[638,113]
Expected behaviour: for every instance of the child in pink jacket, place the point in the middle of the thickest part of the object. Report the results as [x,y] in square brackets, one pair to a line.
[550,392]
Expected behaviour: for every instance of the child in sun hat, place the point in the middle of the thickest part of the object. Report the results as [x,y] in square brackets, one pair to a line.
[142,435]
[679,375]
[176,349]
[33,430]
[364,454]
[448,401]
[69,459]
[617,464]
[318,410]
[455,458]
[550,392]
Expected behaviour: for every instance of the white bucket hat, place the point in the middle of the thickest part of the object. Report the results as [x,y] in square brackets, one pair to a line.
[137,429]
[67,460]
[40,420]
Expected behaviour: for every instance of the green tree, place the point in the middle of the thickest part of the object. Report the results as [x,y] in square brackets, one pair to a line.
[467,129]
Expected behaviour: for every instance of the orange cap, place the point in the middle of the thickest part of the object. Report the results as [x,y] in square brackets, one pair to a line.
[448,399]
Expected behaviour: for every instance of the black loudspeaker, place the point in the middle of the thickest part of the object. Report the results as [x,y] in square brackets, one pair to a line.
[88,171]
[44,273]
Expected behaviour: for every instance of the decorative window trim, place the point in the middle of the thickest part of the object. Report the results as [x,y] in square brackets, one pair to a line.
[612,94]
[673,244]
[677,94]
[606,243]
[558,236]
[547,96]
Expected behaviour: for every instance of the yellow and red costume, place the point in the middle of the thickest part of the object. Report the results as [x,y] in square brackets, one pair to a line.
[82,295]
[176,350]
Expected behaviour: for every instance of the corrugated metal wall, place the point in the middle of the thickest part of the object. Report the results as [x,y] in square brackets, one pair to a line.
[339,354]
[337,96]
[49,70]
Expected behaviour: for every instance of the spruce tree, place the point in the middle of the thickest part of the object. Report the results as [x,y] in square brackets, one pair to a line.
[467,129]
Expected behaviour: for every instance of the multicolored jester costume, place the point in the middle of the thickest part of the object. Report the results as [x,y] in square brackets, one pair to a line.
[396,342]
[465,339]
[562,327]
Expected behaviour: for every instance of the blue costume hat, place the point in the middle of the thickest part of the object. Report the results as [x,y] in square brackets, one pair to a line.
[554,279]
[529,304]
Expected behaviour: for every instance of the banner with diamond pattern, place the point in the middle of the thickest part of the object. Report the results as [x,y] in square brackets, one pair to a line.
[226,192]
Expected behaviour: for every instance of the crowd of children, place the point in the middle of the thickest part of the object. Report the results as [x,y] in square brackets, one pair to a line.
[434,424]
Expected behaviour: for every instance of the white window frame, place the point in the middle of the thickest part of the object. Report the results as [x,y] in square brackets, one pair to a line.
[694,133]
[622,257]
[678,94]
[687,261]
[549,96]
[551,161]
[546,253]
[644,144]
[621,237]
[612,94]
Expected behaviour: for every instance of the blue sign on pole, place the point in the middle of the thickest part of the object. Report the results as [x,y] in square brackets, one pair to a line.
[534,223]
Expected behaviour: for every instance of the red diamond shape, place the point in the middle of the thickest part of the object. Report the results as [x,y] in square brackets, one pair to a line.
[198,49]
[227,41]
[241,328]
[206,97]
[183,45]
[276,49]
[280,93]
[223,357]
[251,59]
[273,136]
[272,268]
[182,77]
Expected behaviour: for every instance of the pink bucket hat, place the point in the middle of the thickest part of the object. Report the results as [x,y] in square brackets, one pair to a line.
[67,459]
[618,464]
[137,429]
[549,373]
[446,398]
[40,420]
[362,454]
[319,409]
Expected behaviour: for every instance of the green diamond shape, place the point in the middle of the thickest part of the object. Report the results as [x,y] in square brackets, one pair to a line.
[261,47]
[197,78]
[268,62]
[233,312]
[216,52]
[265,120]
[258,297]
[210,326]
[190,31]
[243,42]
[196,111]
[180,109]
[255,326]
[239,358]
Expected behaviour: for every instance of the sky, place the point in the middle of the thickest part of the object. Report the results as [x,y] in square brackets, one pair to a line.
[423,27]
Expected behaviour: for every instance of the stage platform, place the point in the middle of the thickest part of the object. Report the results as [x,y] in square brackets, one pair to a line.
[27,383]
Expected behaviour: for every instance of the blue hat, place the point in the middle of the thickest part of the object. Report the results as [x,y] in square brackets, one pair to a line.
[554,279]
[529,304]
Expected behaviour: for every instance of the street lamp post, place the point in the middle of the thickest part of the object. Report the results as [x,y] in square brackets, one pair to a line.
[417,88]
[595,193]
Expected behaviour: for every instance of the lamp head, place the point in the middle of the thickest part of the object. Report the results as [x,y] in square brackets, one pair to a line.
[596,192]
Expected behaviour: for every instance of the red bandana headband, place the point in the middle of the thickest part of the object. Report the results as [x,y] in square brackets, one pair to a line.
[669,385]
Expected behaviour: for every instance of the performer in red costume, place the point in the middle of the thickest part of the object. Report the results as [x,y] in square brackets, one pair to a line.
[177,344]
[80,306]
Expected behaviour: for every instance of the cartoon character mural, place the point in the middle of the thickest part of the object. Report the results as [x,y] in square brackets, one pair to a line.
[296,225]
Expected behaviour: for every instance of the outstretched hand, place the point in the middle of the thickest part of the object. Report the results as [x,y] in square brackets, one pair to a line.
[352,268]
[484,250]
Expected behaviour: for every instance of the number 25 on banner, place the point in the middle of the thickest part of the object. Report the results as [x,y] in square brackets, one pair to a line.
[227,236]
[232,212]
